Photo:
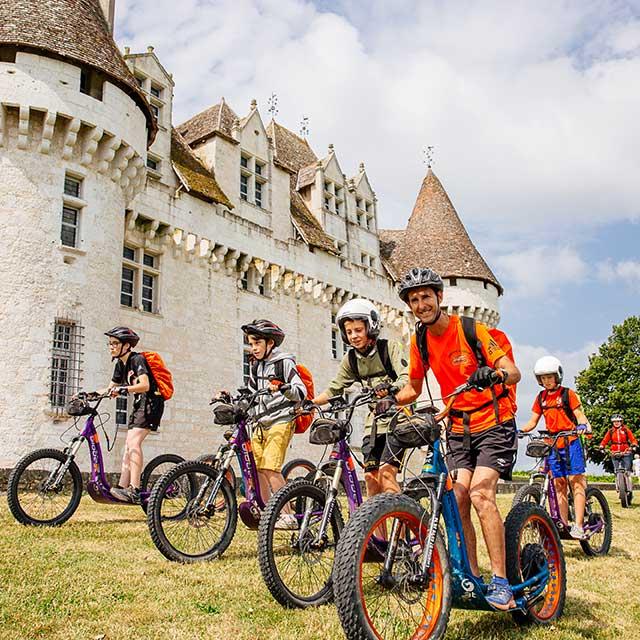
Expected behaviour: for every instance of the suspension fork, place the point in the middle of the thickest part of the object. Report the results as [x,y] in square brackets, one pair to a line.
[226,463]
[329,505]
[56,476]
[544,493]
[433,525]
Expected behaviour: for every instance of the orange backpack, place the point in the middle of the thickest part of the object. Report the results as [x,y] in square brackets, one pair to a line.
[302,422]
[160,373]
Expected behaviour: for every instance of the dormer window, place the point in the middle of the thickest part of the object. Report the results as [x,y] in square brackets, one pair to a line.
[333,197]
[8,54]
[253,180]
[156,91]
[140,81]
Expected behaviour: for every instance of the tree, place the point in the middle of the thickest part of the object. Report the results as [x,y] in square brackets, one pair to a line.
[611,384]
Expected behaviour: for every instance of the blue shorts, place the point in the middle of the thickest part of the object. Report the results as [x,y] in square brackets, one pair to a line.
[568,461]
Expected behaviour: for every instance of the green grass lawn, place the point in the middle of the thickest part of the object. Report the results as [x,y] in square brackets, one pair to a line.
[100,577]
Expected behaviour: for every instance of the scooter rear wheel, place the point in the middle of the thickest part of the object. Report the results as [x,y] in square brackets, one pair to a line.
[531,542]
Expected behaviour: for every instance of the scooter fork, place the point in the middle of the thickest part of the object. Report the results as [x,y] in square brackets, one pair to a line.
[71,451]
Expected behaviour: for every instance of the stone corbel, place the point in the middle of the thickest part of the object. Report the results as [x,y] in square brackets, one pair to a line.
[327,294]
[130,220]
[244,262]
[217,256]
[23,127]
[190,246]
[125,153]
[298,286]
[90,145]
[276,275]
[261,266]
[204,250]
[47,131]
[108,153]
[231,260]
[70,137]
[166,236]
[288,282]
[150,232]
[317,292]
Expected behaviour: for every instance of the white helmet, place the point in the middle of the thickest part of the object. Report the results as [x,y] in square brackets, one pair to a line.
[359,309]
[546,366]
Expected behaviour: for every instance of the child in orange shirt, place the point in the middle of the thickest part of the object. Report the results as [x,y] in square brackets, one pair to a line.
[562,411]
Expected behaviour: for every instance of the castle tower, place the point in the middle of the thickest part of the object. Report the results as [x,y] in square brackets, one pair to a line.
[435,237]
[74,129]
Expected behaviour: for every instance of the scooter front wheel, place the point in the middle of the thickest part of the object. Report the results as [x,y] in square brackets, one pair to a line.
[38,494]
[395,604]
[533,547]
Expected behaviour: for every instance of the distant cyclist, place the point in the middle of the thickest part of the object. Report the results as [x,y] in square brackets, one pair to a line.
[621,440]
[562,411]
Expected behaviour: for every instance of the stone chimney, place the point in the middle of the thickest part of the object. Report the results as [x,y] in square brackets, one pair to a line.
[109,9]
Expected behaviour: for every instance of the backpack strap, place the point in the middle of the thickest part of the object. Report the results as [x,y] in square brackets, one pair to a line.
[539,399]
[471,336]
[353,364]
[566,405]
[383,351]
[421,341]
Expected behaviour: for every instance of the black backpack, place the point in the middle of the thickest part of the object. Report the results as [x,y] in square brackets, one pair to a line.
[383,351]
[566,404]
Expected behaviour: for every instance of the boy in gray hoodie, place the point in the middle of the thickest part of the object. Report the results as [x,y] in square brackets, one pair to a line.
[271,368]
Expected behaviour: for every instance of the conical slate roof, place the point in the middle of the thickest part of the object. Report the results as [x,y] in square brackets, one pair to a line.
[435,237]
[75,31]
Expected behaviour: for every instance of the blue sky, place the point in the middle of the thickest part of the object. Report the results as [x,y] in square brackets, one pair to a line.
[532,107]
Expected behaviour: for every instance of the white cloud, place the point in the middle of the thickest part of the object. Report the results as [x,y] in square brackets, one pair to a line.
[628,271]
[540,271]
[533,111]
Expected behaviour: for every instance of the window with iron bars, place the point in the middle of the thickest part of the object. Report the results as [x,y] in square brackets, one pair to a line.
[66,362]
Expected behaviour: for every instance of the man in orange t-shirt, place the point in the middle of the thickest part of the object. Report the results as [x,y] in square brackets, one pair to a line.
[482,440]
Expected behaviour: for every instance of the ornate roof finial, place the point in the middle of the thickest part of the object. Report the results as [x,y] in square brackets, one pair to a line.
[330,148]
[273,105]
[361,167]
[304,127]
[254,104]
[428,156]
[149,49]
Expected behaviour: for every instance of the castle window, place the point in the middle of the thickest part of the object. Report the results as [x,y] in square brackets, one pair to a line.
[453,282]
[72,205]
[258,193]
[66,358]
[335,337]
[156,91]
[326,204]
[152,164]
[139,81]
[155,109]
[253,180]
[139,280]
[91,83]
[8,54]
[246,360]
[244,281]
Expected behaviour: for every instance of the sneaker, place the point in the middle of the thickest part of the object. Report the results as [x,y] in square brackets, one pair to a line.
[499,594]
[287,522]
[576,532]
[130,495]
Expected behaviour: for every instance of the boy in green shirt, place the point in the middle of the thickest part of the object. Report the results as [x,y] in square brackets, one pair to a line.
[377,364]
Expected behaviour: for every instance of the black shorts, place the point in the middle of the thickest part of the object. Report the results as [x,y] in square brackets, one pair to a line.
[495,448]
[384,450]
[147,413]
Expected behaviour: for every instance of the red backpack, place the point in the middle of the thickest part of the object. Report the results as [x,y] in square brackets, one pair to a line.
[302,422]
[160,373]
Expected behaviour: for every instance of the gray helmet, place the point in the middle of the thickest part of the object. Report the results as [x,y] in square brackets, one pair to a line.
[264,329]
[419,277]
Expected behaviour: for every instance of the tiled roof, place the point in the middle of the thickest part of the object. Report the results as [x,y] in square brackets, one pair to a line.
[216,120]
[291,151]
[307,224]
[435,237]
[75,31]
[197,179]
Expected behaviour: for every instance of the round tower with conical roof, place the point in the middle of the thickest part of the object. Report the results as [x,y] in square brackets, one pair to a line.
[74,129]
[435,237]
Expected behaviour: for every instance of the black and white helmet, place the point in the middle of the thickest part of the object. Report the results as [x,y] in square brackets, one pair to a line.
[359,309]
[125,335]
[264,329]
[419,277]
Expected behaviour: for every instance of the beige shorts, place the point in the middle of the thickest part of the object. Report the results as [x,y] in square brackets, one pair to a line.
[270,445]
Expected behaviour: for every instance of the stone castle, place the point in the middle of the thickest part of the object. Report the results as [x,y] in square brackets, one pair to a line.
[113,215]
